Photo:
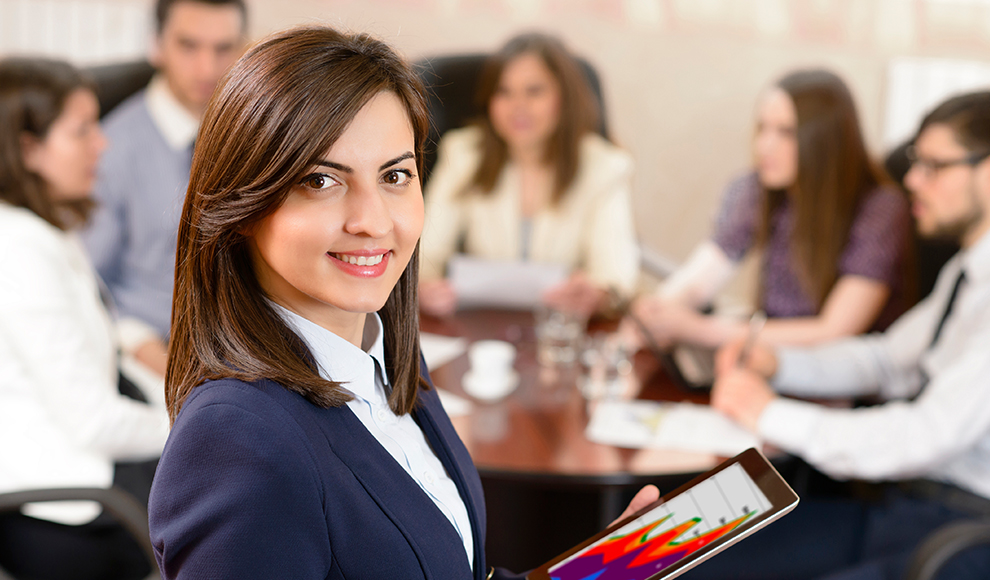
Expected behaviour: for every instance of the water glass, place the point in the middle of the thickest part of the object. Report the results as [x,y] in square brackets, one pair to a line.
[559,335]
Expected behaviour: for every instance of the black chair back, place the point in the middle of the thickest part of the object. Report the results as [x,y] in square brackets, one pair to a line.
[116,82]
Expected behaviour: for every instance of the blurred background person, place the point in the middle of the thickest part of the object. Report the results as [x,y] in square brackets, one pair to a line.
[533,181]
[62,419]
[143,176]
[833,233]
[932,434]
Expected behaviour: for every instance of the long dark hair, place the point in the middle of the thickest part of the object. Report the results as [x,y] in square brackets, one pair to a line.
[33,92]
[578,113]
[834,174]
[280,107]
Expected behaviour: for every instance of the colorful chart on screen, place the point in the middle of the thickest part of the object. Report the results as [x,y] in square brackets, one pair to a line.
[713,509]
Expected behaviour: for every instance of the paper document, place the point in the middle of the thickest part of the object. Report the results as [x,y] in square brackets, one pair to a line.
[439,350]
[502,284]
[642,424]
[454,405]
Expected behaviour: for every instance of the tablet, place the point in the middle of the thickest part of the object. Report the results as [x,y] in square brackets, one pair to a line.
[683,528]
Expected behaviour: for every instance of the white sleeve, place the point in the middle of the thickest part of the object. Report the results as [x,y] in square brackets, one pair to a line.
[895,440]
[51,337]
[900,438]
[700,278]
[885,363]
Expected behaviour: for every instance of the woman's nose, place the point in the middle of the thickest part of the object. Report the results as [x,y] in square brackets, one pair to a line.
[367,212]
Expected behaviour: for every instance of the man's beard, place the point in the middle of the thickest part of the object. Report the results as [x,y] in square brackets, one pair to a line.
[957,229]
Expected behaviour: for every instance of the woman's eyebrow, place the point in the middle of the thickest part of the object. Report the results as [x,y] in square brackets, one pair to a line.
[337,166]
[346,169]
[399,159]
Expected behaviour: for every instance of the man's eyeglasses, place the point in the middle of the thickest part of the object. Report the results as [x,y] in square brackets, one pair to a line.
[931,167]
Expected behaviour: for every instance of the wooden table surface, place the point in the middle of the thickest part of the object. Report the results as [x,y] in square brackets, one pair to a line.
[537,432]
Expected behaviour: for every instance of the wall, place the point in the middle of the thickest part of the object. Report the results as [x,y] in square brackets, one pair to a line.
[681,76]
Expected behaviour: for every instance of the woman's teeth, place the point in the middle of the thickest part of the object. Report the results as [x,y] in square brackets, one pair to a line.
[360,260]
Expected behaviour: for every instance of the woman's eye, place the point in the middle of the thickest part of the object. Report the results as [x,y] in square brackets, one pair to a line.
[397,177]
[318,181]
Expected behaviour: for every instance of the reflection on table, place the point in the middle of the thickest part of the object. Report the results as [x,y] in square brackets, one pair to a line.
[531,450]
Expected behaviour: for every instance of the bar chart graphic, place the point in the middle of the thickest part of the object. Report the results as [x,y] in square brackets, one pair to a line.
[671,531]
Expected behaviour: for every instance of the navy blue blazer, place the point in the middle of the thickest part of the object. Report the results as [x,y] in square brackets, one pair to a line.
[256,482]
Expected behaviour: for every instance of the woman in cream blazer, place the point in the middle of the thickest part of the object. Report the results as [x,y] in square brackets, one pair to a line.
[533,182]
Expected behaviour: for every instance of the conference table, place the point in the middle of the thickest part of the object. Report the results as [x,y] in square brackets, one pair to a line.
[547,486]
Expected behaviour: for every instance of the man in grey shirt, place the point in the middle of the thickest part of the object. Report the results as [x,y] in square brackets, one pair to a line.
[144,173]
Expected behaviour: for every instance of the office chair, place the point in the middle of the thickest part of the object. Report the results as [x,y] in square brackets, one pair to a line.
[119,504]
[451,83]
[944,543]
[116,82]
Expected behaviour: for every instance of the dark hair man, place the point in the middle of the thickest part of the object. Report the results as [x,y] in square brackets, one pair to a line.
[143,175]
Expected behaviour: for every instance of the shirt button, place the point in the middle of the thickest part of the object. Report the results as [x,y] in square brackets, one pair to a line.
[382,415]
[429,477]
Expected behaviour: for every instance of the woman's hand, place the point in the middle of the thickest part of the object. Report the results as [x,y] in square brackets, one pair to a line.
[760,358]
[577,294]
[742,395]
[437,297]
[643,498]
[153,353]
[668,322]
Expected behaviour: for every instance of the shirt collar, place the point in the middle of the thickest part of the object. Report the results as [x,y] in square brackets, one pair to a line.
[338,360]
[176,124]
[976,260]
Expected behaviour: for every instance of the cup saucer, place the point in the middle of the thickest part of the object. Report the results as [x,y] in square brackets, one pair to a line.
[488,388]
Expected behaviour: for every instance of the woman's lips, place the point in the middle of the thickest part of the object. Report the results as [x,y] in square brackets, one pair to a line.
[361,265]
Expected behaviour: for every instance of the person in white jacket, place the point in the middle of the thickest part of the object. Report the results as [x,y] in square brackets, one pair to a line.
[63,421]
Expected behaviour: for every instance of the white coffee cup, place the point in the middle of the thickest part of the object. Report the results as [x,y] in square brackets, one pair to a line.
[491,376]
[491,358]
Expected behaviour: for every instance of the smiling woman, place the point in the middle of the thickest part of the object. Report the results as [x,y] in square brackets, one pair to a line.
[306,440]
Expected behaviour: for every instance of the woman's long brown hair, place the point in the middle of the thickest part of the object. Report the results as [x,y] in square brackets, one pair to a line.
[280,107]
[33,92]
[834,174]
[578,112]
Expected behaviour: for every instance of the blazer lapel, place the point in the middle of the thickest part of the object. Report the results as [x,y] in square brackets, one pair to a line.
[429,533]
[439,431]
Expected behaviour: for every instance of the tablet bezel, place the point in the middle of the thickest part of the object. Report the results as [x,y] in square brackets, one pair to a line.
[782,500]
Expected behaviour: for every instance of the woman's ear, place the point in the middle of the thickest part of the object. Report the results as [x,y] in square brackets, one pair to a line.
[31,151]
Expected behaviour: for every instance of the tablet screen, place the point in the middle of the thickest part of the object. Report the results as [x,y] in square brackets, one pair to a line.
[698,520]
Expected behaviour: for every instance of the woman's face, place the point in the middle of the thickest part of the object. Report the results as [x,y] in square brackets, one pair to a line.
[775,148]
[525,108]
[338,244]
[66,159]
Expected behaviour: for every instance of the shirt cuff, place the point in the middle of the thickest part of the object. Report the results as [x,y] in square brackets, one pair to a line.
[789,424]
[132,333]
[790,370]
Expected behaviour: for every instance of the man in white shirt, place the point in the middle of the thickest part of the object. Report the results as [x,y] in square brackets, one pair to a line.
[144,173]
[932,366]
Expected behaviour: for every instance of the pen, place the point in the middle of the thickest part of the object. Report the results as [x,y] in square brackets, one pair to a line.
[756,323]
